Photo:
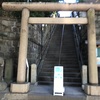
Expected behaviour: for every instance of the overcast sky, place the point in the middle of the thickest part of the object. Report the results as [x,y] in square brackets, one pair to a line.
[70,1]
[66,13]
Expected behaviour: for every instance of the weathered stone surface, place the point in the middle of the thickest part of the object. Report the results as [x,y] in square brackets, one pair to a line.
[3,86]
[93,97]
[92,90]
[1,68]
[9,38]
[9,42]
[19,88]
[1,62]
[84,74]
[15,96]
[33,73]
[8,70]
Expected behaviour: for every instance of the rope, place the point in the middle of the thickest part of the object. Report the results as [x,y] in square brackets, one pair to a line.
[61,44]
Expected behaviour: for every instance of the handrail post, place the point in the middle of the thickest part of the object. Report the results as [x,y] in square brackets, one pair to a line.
[21,86]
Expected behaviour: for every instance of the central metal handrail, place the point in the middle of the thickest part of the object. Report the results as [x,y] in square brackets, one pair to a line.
[61,44]
[77,43]
[44,52]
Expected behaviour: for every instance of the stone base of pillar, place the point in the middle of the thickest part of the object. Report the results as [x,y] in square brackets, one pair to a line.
[92,90]
[19,88]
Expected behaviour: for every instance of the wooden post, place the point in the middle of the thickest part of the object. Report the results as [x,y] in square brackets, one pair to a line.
[23,47]
[93,74]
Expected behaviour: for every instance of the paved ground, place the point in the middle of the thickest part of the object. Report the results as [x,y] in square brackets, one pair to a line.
[39,92]
[42,89]
[75,91]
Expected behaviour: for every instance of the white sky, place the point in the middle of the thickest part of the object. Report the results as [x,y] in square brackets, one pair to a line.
[70,1]
[66,13]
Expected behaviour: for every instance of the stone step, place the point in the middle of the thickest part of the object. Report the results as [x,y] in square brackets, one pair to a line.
[63,45]
[63,54]
[65,50]
[78,84]
[68,59]
[65,69]
[64,65]
[67,74]
[66,79]
[62,62]
[62,58]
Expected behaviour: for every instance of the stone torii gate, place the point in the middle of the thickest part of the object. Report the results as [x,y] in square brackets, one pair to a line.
[21,86]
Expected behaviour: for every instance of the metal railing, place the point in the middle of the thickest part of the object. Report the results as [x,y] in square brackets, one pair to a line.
[44,50]
[77,38]
[77,45]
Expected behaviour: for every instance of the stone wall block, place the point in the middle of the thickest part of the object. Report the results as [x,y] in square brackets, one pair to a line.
[8,70]
[1,68]
[9,40]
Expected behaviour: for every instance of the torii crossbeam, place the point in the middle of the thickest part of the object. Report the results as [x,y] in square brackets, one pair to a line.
[21,86]
[15,6]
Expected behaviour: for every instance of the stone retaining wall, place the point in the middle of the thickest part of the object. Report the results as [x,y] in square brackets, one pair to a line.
[9,41]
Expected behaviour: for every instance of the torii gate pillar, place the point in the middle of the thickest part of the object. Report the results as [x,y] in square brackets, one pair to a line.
[92,88]
[21,86]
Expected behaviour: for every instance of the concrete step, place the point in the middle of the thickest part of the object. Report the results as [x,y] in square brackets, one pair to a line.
[65,59]
[58,41]
[65,69]
[66,79]
[62,58]
[78,84]
[64,44]
[67,49]
[45,92]
[67,74]
[63,50]
[64,65]
[62,55]
[68,59]
[62,62]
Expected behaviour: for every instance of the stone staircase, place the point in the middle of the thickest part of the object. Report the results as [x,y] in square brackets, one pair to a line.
[72,76]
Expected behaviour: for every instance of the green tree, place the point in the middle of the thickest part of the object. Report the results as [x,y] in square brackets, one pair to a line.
[33,14]
[81,0]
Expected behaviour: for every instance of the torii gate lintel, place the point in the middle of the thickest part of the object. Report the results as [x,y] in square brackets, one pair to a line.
[23,87]
[46,6]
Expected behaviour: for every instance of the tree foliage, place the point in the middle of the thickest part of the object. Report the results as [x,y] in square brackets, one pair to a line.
[33,14]
[29,0]
[81,0]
